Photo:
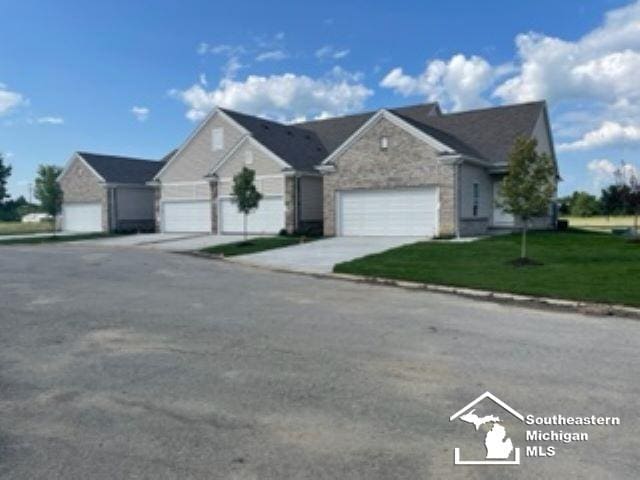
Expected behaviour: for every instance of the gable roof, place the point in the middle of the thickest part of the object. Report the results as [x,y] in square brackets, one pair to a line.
[486,134]
[490,132]
[300,148]
[117,169]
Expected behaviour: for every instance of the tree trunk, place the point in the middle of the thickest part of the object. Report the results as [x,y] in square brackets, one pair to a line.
[244,221]
[523,246]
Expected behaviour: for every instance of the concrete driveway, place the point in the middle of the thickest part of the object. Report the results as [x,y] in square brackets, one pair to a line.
[320,256]
[172,242]
[133,363]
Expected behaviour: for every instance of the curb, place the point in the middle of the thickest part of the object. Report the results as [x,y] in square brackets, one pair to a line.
[527,301]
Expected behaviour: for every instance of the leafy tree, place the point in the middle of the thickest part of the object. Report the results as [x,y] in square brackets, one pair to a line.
[613,200]
[627,177]
[5,173]
[564,205]
[529,187]
[47,189]
[245,194]
[584,204]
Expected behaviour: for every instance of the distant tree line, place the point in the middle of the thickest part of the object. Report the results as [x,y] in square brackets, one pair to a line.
[47,192]
[613,200]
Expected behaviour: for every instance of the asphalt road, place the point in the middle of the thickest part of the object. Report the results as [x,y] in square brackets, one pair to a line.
[142,364]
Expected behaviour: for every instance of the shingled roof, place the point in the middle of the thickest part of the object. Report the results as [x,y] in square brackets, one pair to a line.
[116,169]
[486,134]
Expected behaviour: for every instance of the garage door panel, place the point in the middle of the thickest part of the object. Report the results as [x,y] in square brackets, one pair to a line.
[268,218]
[186,216]
[82,217]
[396,212]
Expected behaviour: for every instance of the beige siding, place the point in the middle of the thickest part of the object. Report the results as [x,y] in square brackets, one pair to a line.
[271,185]
[259,161]
[408,162]
[198,157]
[310,198]
[186,191]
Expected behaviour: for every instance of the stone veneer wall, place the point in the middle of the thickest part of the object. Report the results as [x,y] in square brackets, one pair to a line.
[80,185]
[408,162]
[290,203]
[214,207]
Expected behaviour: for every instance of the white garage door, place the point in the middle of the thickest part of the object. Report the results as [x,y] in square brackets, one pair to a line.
[186,216]
[268,218]
[82,217]
[395,212]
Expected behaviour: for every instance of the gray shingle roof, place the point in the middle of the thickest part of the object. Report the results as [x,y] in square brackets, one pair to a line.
[116,169]
[486,133]
[490,131]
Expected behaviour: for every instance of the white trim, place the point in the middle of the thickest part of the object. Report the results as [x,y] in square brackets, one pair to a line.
[258,177]
[397,121]
[255,143]
[214,112]
[491,396]
[73,157]
[191,182]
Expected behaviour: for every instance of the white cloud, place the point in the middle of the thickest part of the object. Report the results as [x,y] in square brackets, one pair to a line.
[203,80]
[609,133]
[274,55]
[141,113]
[282,97]
[600,65]
[9,100]
[50,120]
[603,172]
[459,83]
[329,52]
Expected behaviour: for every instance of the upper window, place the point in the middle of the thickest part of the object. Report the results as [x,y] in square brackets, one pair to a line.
[248,159]
[476,198]
[217,139]
[384,142]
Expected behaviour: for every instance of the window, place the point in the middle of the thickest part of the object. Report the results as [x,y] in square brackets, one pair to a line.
[248,158]
[384,143]
[217,139]
[476,198]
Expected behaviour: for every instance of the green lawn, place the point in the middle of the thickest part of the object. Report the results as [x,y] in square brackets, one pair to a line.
[53,238]
[254,245]
[19,228]
[577,265]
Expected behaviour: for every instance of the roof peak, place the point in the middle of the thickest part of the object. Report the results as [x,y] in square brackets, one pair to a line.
[109,155]
[496,107]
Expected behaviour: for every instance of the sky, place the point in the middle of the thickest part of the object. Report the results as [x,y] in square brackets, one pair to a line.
[134,78]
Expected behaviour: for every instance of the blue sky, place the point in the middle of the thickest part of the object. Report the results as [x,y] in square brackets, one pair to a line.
[133,78]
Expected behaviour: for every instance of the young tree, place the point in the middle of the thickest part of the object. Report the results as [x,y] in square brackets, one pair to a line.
[529,186]
[47,189]
[245,194]
[613,200]
[628,180]
[5,173]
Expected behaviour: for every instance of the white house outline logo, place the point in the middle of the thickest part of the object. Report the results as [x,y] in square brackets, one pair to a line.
[465,409]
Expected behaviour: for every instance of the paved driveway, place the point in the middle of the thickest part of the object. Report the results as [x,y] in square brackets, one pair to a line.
[172,242]
[320,256]
[134,363]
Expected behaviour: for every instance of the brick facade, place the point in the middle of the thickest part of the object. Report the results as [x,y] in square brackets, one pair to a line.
[408,162]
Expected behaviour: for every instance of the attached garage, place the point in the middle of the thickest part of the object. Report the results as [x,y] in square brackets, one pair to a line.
[387,212]
[268,218]
[186,216]
[82,217]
